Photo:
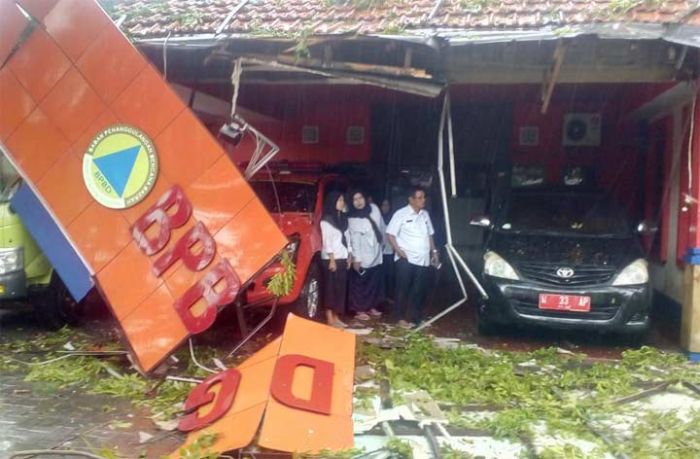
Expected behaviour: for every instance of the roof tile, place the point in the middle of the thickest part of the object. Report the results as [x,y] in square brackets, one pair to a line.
[145,19]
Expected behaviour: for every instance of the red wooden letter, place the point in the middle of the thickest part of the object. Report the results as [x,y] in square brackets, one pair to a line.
[158,214]
[221,272]
[321,389]
[181,250]
[202,395]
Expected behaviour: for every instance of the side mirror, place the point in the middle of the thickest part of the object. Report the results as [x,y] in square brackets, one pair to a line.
[647,228]
[481,222]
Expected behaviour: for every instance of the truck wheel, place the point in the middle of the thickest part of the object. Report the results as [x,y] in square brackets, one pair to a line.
[308,305]
[54,307]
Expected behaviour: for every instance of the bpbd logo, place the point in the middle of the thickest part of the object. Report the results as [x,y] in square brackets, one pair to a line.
[120,166]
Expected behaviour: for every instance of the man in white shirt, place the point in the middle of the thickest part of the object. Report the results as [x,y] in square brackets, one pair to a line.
[410,233]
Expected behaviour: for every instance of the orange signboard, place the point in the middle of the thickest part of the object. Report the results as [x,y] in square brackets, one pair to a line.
[165,223]
[302,383]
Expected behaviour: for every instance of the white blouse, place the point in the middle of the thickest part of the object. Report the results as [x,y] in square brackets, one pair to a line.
[332,240]
[365,247]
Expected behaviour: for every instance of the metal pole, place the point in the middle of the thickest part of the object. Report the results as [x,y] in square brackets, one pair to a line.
[451,149]
[454,306]
[451,251]
[470,274]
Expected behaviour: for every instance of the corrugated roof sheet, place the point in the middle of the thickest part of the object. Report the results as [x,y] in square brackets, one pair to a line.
[157,18]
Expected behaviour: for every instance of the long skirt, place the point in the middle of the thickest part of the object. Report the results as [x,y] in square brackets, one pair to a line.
[335,286]
[366,289]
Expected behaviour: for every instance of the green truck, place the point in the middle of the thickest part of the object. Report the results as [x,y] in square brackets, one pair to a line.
[27,279]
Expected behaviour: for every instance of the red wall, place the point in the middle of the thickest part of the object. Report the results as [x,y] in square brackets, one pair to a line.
[333,108]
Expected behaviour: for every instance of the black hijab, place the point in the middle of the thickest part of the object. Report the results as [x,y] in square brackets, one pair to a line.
[332,215]
[364,213]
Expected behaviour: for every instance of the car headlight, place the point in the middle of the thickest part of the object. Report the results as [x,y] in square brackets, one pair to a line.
[635,273]
[11,260]
[496,266]
[293,246]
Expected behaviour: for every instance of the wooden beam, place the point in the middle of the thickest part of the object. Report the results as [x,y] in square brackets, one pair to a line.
[354,67]
[532,74]
[552,75]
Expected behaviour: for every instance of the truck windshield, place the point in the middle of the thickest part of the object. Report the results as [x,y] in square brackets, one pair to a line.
[292,196]
[9,190]
[9,179]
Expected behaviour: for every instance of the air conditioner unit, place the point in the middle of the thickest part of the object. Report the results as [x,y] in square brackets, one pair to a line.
[582,129]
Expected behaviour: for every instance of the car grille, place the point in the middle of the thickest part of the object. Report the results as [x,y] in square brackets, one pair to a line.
[584,275]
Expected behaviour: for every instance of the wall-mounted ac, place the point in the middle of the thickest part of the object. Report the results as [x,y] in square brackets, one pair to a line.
[582,130]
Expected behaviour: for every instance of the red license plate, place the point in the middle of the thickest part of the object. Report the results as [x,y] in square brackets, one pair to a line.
[556,302]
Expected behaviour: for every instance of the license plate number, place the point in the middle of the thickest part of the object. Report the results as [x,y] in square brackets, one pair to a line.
[556,302]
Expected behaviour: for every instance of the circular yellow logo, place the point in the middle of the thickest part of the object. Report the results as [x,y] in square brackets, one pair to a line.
[120,166]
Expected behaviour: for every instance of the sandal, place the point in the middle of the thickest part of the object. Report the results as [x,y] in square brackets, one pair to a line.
[362,316]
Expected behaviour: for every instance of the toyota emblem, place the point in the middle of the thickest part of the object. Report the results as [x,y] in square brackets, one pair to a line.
[565,273]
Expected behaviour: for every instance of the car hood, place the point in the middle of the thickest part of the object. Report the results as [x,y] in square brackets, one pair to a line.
[291,223]
[573,251]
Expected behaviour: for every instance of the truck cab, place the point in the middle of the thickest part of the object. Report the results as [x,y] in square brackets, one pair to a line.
[27,279]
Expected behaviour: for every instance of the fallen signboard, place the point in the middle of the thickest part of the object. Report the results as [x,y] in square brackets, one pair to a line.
[301,382]
[123,188]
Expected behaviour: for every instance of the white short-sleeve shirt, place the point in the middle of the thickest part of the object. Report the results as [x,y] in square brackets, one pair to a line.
[332,239]
[412,231]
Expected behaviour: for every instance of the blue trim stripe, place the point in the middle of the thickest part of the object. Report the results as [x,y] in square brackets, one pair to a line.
[694,356]
[52,242]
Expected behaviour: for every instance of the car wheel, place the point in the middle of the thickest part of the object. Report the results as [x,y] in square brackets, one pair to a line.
[54,307]
[308,305]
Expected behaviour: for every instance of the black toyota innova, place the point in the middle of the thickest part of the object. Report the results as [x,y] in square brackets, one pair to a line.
[564,258]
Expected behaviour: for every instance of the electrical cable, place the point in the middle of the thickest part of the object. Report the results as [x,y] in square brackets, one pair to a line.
[194,359]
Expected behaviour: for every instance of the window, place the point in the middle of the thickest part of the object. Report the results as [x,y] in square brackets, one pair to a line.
[309,134]
[355,135]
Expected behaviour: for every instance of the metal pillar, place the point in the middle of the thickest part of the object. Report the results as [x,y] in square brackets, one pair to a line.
[454,256]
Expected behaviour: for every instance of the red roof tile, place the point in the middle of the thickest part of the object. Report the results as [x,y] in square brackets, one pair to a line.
[157,18]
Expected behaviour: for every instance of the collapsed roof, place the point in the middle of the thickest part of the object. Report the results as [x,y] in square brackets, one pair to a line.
[418,45]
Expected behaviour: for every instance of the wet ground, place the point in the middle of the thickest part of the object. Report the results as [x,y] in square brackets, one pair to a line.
[37,416]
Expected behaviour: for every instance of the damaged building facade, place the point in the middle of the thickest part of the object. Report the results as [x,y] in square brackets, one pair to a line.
[483,95]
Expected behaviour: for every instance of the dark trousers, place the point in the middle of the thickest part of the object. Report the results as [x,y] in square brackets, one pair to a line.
[335,286]
[411,289]
[388,266]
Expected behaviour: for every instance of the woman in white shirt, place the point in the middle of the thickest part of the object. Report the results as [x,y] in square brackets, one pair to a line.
[335,255]
[366,286]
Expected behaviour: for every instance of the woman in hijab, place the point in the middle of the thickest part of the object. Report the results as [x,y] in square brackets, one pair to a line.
[366,278]
[335,255]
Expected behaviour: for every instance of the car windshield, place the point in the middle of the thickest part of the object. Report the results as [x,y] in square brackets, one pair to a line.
[589,215]
[290,196]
